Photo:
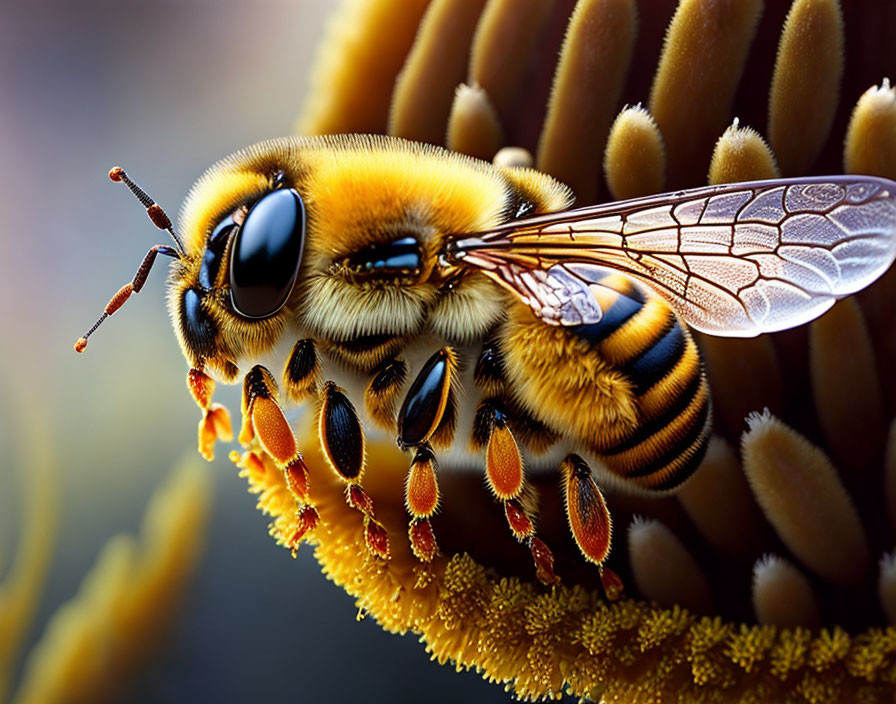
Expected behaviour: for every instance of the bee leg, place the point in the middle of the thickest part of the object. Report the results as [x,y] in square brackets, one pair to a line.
[382,392]
[422,500]
[505,474]
[263,420]
[429,409]
[342,439]
[215,422]
[428,413]
[589,519]
[301,375]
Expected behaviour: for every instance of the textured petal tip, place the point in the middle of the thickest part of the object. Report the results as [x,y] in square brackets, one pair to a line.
[871,137]
[634,160]
[473,126]
[664,570]
[782,595]
[741,155]
[801,494]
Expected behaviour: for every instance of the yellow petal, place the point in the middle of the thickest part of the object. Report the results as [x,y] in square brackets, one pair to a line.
[513,157]
[353,74]
[473,127]
[871,136]
[745,376]
[806,83]
[799,490]
[782,596]
[846,388]
[664,570]
[886,587]
[719,502]
[125,601]
[635,159]
[593,66]
[741,155]
[697,76]
[890,475]
[22,588]
[436,64]
[509,32]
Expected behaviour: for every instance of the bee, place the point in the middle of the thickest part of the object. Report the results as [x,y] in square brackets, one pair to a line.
[465,309]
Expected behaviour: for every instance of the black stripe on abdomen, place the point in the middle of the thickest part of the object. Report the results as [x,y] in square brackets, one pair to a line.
[669,442]
[624,308]
[657,360]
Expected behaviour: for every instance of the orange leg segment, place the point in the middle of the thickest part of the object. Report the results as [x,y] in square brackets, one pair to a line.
[264,421]
[215,422]
[589,519]
[422,500]
[505,474]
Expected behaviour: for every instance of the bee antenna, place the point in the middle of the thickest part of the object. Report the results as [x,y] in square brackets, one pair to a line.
[158,216]
[117,301]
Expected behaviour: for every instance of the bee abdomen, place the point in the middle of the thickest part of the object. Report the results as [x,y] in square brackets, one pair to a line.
[657,354]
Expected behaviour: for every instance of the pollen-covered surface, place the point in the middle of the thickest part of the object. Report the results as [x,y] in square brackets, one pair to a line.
[477,604]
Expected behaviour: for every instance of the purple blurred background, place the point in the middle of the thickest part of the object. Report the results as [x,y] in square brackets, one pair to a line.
[163,89]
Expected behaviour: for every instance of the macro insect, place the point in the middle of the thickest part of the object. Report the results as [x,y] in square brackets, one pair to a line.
[466,310]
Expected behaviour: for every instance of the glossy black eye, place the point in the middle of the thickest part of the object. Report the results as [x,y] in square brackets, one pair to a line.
[214,252]
[400,257]
[266,255]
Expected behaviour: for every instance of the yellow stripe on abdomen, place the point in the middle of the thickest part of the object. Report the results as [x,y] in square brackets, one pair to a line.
[659,357]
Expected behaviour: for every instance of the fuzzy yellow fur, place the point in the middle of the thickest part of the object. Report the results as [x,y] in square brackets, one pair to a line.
[560,381]
[358,191]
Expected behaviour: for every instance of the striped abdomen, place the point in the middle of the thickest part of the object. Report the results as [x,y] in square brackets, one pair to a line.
[641,337]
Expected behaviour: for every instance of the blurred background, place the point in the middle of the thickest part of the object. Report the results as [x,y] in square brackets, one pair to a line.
[163,89]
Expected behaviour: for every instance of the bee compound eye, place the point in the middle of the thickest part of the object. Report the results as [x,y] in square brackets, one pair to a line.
[267,252]
[401,257]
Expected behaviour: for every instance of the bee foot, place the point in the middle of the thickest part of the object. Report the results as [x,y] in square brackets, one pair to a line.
[423,540]
[519,521]
[307,519]
[296,473]
[376,538]
[544,562]
[612,583]
[505,475]
[214,425]
[215,422]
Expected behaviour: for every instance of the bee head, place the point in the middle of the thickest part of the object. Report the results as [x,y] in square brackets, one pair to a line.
[353,258]
[338,238]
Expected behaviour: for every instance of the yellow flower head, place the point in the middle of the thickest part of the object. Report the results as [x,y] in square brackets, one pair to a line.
[768,576]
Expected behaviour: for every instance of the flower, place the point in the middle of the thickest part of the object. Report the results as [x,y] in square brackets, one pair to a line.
[757,580]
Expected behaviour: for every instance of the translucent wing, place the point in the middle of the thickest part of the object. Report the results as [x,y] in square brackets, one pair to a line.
[733,260]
